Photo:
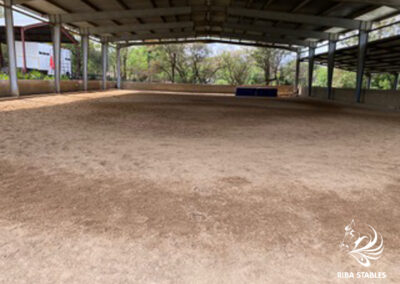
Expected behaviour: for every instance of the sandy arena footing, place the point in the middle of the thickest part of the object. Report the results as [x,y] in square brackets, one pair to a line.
[141,187]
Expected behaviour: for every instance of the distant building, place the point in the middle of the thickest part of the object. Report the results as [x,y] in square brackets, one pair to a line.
[33,48]
[39,56]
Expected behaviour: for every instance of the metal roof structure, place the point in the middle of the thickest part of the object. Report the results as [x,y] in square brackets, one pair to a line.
[283,23]
[382,56]
[34,31]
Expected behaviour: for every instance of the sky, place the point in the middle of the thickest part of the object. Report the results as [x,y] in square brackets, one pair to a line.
[218,48]
[20,19]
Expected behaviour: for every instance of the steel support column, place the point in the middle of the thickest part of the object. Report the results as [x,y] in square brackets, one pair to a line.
[362,52]
[22,34]
[104,52]
[57,52]
[12,58]
[85,53]
[331,65]
[297,74]
[396,81]
[311,55]
[119,81]
[1,56]
[369,79]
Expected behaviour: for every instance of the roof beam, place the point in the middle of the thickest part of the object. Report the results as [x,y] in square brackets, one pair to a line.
[123,5]
[207,41]
[20,2]
[279,31]
[389,3]
[152,36]
[266,39]
[296,18]
[123,14]
[139,27]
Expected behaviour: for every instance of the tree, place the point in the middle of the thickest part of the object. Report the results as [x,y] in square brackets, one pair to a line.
[321,76]
[288,72]
[190,63]
[344,79]
[94,60]
[262,57]
[76,59]
[167,60]
[235,67]
[269,61]
[203,67]
[138,64]
[382,81]
[278,56]
[124,52]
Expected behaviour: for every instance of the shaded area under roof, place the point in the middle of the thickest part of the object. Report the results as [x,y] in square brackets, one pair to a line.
[382,56]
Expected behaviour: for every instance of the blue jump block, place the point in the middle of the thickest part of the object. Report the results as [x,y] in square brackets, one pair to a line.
[265,92]
[245,92]
[256,92]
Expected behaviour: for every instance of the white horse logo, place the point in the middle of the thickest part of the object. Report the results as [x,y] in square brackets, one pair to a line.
[362,247]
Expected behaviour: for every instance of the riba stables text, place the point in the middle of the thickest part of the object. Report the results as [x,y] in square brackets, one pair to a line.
[362,275]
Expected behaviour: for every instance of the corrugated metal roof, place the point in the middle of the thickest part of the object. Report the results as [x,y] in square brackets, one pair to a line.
[285,22]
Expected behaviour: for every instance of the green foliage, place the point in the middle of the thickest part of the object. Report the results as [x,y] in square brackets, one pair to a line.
[35,75]
[191,63]
[138,63]
[21,75]
[344,79]
[94,60]
[341,78]
[3,76]
[287,73]
[382,81]
[201,64]
[235,67]
[65,78]
[75,50]
[321,77]
[269,62]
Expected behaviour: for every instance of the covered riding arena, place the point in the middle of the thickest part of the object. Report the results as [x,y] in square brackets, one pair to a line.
[122,182]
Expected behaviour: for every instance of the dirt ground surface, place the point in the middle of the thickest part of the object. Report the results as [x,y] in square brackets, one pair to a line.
[136,187]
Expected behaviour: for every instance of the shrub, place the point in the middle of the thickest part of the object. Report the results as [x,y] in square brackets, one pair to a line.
[3,76]
[65,77]
[21,75]
[35,75]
